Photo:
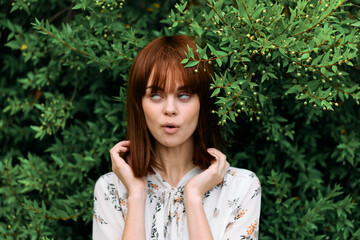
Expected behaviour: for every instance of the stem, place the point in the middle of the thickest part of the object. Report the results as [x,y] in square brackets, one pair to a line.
[31,208]
[278,190]
[320,20]
[69,8]
[313,66]
[257,33]
[125,57]
[61,41]
[212,7]
[75,90]
[12,189]
[292,21]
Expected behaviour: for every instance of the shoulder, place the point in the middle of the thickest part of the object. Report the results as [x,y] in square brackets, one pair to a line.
[109,182]
[239,179]
[108,178]
[240,174]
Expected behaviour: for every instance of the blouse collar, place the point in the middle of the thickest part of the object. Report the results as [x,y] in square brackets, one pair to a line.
[161,182]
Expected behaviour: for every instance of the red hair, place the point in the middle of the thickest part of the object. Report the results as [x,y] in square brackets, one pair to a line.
[160,56]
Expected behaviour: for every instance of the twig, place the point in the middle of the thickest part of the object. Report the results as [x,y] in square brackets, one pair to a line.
[61,41]
[278,190]
[212,7]
[31,208]
[12,189]
[313,66]
[61,12]
[257,33]
[320,20]
[292,21]
[137,49]
[75,90]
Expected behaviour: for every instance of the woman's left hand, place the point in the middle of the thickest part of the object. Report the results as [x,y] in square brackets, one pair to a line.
[209,178]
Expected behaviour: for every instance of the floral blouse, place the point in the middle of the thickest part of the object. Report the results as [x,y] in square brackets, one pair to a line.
[232,208]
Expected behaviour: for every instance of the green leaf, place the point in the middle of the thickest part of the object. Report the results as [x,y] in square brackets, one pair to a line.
[192,63]
[218,61]
[78,6]
[264,77]
[294,89]
[202,52]
[184,60]
[357,24]
[13,45]
[57,160]
[35,128]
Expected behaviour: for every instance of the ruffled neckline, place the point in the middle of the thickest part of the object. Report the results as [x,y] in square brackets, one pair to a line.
[166,186]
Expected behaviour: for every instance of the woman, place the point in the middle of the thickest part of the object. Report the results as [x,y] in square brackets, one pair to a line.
[175,183]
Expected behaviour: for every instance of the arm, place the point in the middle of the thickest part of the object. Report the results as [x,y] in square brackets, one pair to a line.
[194,191]
[136,188]
[109,214]
[244,221]
[135,219]
[108,220]
[196,219]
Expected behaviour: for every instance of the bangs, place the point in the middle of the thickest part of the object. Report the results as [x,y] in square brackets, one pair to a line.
[169,74]
[160,63]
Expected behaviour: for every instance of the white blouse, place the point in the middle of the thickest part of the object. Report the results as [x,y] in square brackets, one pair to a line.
[232,208]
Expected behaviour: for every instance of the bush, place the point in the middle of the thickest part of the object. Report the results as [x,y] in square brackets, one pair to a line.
[286,85]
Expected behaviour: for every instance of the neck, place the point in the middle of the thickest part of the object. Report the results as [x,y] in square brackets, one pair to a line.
[175,162]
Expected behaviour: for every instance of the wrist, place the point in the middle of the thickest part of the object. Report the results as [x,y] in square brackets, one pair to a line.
[137,197]
[192,195]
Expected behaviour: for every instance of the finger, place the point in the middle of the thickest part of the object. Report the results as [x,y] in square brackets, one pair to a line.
[212,151]
[120,167]
[120,148]
[121,145]
[117,152]
[220,159]
[216,153]
[216,157]
[226,167]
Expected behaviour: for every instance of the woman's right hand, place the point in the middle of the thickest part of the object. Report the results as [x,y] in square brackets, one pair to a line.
[135,186]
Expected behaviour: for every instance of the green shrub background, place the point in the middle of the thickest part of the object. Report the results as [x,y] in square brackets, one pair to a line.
[287,91]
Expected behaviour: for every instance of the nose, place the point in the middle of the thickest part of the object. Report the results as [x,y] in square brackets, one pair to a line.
[170,108]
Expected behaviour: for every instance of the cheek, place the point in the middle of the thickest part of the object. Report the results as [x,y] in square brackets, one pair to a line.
[147,111]
[194,114]
[151,113]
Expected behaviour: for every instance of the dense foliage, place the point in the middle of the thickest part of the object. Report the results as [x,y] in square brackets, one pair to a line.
[286,85]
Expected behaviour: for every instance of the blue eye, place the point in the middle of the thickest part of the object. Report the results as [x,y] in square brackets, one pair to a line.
[155,96]
[184,96]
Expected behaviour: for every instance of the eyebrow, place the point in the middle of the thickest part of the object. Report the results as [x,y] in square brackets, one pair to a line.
[161,89]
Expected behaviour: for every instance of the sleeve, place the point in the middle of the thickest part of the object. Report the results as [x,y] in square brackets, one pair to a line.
[244,220]
[109,211]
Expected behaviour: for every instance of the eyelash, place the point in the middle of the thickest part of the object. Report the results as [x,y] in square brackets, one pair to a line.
[184,94]
[154,96]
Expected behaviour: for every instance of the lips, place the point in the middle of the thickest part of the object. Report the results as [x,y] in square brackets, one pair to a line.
[170,128]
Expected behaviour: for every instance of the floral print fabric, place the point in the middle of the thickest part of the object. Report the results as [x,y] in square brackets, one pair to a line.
[232,207]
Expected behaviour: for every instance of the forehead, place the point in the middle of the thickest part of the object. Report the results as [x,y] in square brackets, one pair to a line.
[169,79]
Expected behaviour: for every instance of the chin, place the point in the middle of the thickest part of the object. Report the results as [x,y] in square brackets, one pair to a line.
[170,144]
[173,141]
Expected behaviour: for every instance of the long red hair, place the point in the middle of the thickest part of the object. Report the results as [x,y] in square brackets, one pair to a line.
[160,56]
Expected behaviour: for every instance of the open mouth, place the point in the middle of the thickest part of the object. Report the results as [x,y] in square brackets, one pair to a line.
[170,128]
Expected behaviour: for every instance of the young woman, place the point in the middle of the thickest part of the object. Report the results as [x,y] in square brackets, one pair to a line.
[169,179]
